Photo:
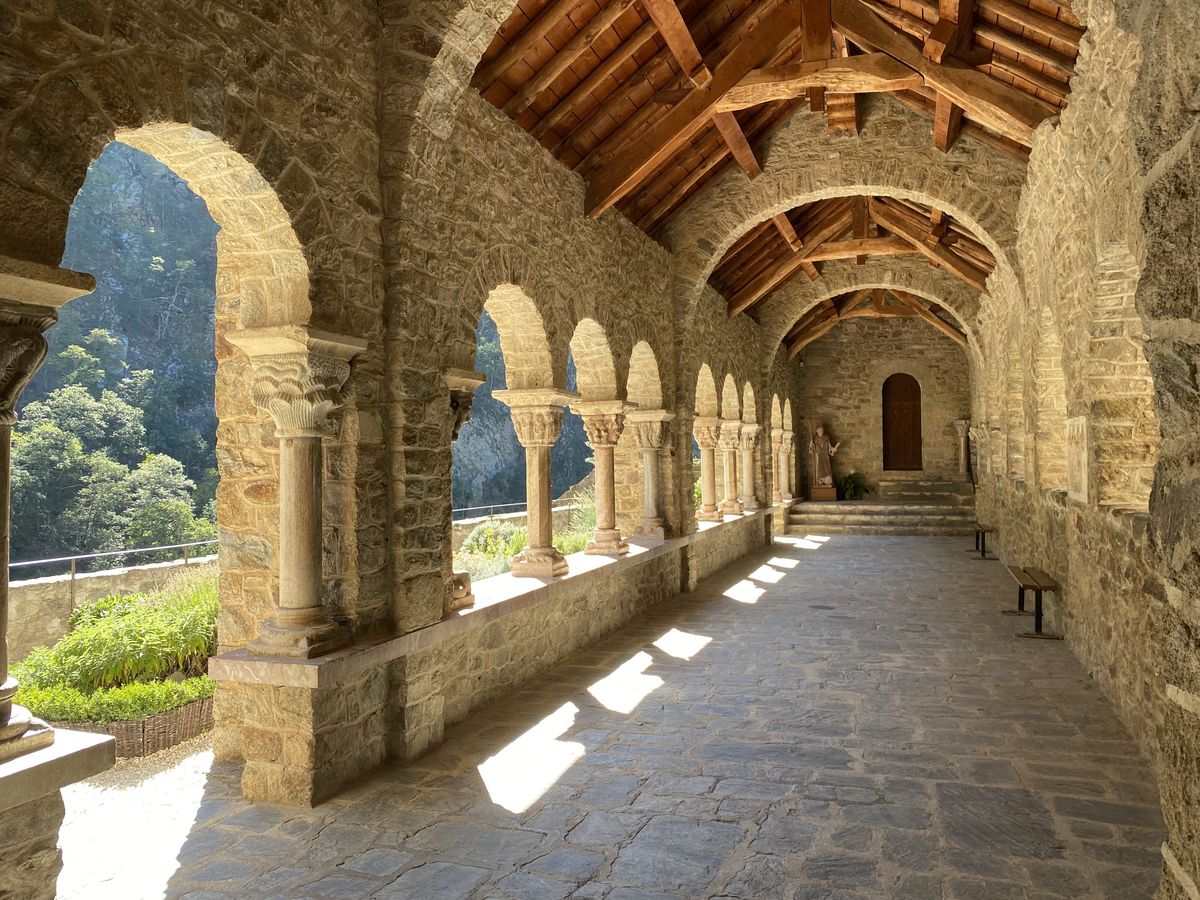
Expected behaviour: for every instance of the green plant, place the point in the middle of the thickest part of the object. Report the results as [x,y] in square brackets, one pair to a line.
[122,640]
[61,703]
[852,486]
[571,541]
[582,519]
[496,538]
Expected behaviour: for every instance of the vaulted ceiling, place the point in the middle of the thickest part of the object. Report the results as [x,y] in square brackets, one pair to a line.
[649,101]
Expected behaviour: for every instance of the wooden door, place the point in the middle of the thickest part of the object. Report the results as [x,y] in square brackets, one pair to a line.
[902,423]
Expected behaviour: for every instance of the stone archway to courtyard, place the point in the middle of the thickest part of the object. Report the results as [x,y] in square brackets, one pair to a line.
[770,667]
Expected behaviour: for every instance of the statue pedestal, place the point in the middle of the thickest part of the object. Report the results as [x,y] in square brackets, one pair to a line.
[822,493]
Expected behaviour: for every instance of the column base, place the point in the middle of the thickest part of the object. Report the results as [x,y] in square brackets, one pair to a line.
[607,542]
[23,733]
[786,498]
[712,515]
[750,506]
[302,634]
[731,508]
[652,530]
[460,596]
[539,562]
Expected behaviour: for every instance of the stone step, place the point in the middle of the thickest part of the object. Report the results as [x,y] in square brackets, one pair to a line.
[957,492]
[880,508]
[882,529]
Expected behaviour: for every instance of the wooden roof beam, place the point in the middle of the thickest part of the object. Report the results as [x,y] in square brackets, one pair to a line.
[952,32]
[917,232]
[816,43]
[860,247]
[663,139]
[928,315]
[519,46]
[802,340]
[867,74]
[998,106]
[674,30]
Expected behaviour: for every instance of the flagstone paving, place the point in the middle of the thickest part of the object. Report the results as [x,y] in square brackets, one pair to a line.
[840,719]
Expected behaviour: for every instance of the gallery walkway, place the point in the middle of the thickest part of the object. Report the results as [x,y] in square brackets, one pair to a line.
[838,718]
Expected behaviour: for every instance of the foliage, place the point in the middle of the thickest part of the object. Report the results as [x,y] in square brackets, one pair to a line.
[60,703]
[122,640]
[116,434]
[571,541]
[852,486]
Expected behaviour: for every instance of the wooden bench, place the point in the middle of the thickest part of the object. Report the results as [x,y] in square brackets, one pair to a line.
[1039,582]
[981,533]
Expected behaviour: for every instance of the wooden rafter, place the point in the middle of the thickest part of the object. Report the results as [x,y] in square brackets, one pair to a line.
[816,43]
[870,73]
[921,308]
[901,222]
[665,15]
[860,247]
[665,137]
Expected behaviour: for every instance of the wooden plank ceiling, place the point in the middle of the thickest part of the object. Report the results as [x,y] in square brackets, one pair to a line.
[649,100]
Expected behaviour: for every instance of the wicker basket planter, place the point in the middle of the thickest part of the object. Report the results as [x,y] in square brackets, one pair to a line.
[141,737]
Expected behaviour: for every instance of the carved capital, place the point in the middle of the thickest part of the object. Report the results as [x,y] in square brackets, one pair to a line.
[648,427]
[731,435]
[777,439]
[962,426]
[604,430]
[22,351]
[298,375]
[299,390]
[537,426]
[707,431]
[750,434]
[461,384]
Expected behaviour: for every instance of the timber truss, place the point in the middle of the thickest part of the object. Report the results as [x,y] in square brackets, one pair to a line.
[649,101]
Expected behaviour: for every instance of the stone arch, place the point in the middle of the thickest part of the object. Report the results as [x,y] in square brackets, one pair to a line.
[1050,448]
[706,392]
[892,157]
[523,341]
[778,314]
[776,412]
[730,402]
[644,385]
[787,415]
[1124,425]
[749,406]
[595,372]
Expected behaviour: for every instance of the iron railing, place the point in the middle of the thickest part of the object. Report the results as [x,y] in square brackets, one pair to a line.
[75,560]
[483,512]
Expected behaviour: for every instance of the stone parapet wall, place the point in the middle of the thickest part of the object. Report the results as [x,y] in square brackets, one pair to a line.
[40,607]
[842,389]
[308,727]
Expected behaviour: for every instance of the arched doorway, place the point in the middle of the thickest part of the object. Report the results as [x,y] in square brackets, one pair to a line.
[901,423]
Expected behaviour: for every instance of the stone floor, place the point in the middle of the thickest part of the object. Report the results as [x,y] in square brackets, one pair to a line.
[841,718]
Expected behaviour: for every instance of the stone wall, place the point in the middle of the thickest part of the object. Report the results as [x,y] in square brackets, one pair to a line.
[29,845]
[40,607]
[842,389]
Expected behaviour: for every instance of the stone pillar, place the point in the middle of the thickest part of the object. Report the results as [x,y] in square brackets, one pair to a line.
[648,428]
[750,435]
[537,418]
[783,462]
[775,467]
[461,384]
[604,420]
[962,426]
[708,432]
[298,376]
[22,350]
[730,444]
[789,453]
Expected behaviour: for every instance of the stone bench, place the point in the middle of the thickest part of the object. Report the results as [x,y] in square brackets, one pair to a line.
[1039,582]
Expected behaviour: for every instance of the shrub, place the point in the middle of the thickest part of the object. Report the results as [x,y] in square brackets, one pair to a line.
[852,486]
[121,641]
[571,541]
[62,703]
[582,519]
[495,538]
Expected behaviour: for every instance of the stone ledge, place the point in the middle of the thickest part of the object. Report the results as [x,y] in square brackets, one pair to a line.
[74,756]
[495,598]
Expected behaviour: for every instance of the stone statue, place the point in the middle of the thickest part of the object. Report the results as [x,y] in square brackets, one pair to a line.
[822,452]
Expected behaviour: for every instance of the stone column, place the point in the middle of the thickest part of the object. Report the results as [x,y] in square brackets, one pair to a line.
[785,467]
[462,384]
[708,432]
[962,426]
[537,418]
[22,350]
[730,444]
[750,435]
[789,444]
[776,468]
[298,376]
[604,420]
[648,429]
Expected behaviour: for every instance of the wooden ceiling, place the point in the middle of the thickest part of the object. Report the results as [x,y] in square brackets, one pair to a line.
[870,304]
[648,100]
[846,228]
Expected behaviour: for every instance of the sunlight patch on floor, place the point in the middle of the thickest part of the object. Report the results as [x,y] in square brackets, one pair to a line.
[783,562]
[808,542]
[525,769]
[146,803]
[681,644]
[625,688]
[745,591]
[766,574]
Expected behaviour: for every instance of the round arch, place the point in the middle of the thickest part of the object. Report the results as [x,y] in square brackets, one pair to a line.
[644,384]
[749,406]
[595,372]
[706,392]
[730,402]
